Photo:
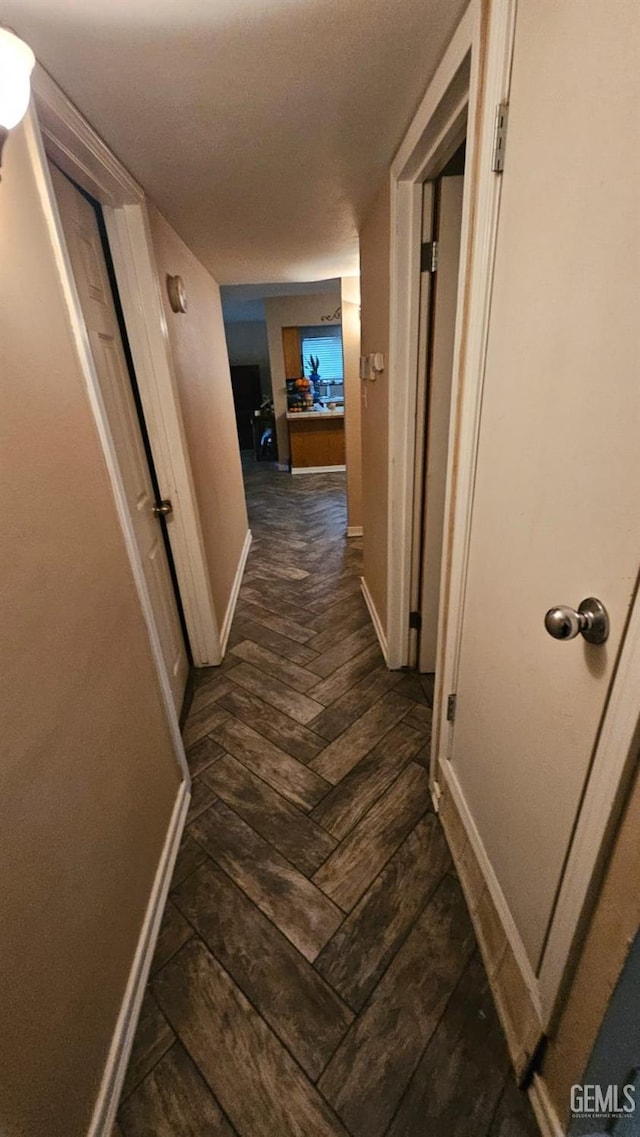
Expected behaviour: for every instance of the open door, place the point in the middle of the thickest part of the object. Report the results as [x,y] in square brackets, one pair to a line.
[441,235]
[92,281]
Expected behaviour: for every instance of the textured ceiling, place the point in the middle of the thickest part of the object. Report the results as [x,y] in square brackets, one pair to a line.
[260,128]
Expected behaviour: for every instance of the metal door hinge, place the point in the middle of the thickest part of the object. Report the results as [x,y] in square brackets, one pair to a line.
[415,620]
[500,137]
[429,256]
[451,708]
[163,508]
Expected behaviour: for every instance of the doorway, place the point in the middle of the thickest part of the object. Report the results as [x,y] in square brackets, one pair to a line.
[247,397]
[113,368]
[296,376]
[314,370]
[442,200]
[533,740]
[60,133]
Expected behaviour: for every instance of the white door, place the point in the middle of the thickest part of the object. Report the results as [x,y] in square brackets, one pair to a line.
[556,511]
[441,336]
[90,273]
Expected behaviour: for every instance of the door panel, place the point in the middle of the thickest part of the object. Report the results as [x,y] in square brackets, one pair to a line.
[424,320]
[90,272]
[122,415]
[165,614]
[555,513]
[450,191]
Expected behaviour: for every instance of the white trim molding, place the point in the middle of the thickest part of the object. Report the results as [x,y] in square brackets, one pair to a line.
[235,589]
[543,1108]
[73,145]
[375,619]
[466,399]
[510,974]
[318,469]
[78,150]
[492,883]
[438,128]
[104,1113]
[458,103]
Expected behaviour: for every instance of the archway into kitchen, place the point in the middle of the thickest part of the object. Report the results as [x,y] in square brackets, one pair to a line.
[294,358]
[314,376]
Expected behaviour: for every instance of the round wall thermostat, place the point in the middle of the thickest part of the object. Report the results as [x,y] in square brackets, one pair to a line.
[177,293]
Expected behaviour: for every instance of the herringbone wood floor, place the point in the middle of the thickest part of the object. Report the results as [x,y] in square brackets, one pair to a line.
[316,973]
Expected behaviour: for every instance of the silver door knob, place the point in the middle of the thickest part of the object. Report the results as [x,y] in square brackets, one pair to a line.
[591,620]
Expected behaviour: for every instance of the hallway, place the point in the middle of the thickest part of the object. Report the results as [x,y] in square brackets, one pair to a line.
[316,972]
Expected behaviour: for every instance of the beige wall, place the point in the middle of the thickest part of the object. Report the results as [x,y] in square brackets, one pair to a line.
[374,284]
[288,312]
[615,921]
[87,770]
[201,366]
[350,301]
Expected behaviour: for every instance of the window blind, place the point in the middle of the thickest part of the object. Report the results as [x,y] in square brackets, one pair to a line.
[328,349]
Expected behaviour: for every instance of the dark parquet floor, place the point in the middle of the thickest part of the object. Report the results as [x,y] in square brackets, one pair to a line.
[316,973]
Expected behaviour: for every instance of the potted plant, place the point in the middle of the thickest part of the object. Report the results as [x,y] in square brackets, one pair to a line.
[313,364]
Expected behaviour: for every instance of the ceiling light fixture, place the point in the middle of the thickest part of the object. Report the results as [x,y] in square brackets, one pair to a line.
[16,64]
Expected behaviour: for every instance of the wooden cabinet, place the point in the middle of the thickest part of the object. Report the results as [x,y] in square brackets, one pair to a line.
[291,349]
[316,440]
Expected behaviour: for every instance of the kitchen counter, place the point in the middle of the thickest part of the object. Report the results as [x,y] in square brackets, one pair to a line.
[338,413]
[316,441]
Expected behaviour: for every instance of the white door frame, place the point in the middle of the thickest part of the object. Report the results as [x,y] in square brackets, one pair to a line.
[75,147]
[432,136]
[52,215]
[446,114]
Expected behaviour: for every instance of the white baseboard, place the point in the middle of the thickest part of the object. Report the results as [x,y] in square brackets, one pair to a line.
[436,794]
[493,885]
[233,598]
[318,469]
[544,1109]
[354,531]
[375,619]
[104,1113]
